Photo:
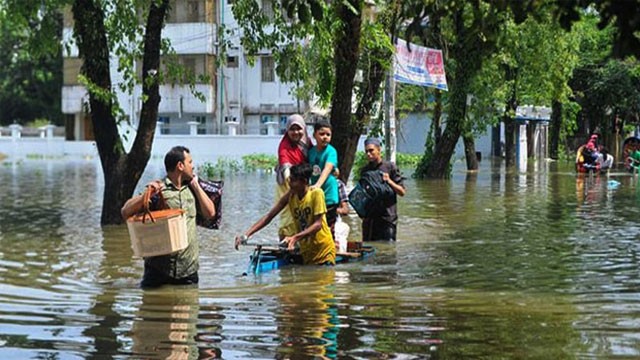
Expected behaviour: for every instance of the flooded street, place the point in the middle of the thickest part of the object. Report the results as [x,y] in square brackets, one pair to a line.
[538,265]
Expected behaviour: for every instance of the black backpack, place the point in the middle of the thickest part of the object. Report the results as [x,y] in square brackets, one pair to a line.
[371,195]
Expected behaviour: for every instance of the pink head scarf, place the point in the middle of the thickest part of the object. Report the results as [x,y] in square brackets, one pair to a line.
[305,143]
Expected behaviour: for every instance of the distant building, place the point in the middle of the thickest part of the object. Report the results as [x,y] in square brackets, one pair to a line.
[238,98]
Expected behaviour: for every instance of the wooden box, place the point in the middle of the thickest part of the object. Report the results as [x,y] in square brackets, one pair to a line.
[165,234]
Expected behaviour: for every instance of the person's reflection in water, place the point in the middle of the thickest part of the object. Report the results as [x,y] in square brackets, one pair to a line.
[165,327]
[308,322]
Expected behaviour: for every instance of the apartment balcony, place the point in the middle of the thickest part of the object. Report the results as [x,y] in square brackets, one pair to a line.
[186,38]
[180,99]
[192,38]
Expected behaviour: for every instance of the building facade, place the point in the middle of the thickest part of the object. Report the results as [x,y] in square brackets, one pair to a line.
[234,98]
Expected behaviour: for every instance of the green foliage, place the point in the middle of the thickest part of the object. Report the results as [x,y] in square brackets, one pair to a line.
[38,123]
[604,88]
[359,162]
[30,76]
[429,146]
[220,168]
[412,98]
[402,160]
[407,160]
[263,162]
[249,163]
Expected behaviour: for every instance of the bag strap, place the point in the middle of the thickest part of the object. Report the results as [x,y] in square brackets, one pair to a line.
[146,200]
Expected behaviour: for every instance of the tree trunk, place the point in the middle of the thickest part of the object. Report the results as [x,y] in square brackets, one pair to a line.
[437,116]
[556,125]
[509,141]
[468,55]
[438,168]
[121,171]
[346,129]
[511,75]
[470,152]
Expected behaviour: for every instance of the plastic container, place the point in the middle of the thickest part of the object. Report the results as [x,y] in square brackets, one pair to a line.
[341,232]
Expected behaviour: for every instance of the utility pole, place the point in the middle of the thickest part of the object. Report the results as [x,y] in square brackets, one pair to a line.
[390,113]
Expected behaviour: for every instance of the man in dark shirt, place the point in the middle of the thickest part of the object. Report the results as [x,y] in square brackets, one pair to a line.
[383,226]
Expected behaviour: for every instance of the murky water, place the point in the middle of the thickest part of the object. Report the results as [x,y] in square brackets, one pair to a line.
[540,265]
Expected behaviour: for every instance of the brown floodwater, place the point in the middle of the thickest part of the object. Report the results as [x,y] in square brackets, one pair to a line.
[539,264]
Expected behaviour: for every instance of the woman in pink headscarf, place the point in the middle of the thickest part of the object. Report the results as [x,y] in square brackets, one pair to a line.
[291,151]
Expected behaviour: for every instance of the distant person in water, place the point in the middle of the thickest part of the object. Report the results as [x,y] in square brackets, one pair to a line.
[384,226]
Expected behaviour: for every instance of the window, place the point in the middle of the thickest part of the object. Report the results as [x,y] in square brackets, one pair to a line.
[283,124]
[189,65]
[163,123]
[232,61]
[267,69]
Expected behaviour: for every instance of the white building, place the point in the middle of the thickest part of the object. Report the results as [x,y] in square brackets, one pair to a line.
[238,98]
[253,95]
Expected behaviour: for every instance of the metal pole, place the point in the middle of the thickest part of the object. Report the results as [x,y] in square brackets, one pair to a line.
[390,114]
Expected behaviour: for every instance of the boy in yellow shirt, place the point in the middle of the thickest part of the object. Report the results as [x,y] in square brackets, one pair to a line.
[309,212]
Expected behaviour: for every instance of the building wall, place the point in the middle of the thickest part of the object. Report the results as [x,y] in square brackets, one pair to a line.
[237,92]
[193,43]
[250,95]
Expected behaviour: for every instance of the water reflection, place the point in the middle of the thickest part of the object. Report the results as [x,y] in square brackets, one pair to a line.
[164,326]
[307,318]
[535,264]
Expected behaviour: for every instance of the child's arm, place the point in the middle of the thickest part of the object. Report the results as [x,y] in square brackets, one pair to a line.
[343,208]
[310,230]
[328,169]
[265,220]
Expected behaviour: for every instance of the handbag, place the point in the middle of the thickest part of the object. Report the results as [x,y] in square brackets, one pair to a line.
[213,189]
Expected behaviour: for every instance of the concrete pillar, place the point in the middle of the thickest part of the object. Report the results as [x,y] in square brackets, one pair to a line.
[49,129]
[16,131]
[232,127]
[521,146]
[193,128]
[159,125]
[272,128]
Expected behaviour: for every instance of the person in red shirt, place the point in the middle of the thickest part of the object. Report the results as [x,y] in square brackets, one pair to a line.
[292,151]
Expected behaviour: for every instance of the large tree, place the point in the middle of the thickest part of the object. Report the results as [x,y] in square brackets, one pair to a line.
[130,30]
[470,31]
[320,46]
[121,170]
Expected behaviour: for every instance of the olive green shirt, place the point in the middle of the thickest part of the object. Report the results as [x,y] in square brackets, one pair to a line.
[184,262]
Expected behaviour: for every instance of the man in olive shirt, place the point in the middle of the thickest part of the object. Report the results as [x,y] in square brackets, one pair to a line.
[180,190]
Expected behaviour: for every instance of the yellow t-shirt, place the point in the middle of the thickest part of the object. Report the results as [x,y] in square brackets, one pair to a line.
[287,225]
[319,247]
